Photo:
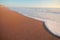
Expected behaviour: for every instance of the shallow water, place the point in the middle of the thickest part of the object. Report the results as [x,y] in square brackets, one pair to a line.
[44,13]
[49,15]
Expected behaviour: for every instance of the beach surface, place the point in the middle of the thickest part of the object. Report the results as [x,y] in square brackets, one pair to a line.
[15,26]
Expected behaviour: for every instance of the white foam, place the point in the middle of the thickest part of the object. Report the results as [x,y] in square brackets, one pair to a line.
[53,26]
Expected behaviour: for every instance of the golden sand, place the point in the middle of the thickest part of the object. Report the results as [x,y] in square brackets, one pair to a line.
[14,26]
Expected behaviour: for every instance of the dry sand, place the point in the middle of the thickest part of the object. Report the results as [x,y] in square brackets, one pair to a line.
[14,26]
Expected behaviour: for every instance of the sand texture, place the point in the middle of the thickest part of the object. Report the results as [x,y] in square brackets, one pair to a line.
[14,26]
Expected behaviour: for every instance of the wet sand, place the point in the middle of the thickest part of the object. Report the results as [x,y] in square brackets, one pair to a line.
[14,26]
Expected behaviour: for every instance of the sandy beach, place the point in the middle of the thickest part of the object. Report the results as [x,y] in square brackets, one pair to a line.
[15,26]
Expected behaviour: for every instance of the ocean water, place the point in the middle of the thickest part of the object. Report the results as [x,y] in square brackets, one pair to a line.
[51,17]
[44,13]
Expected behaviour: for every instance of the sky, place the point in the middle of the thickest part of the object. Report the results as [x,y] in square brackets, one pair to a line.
[31,3]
